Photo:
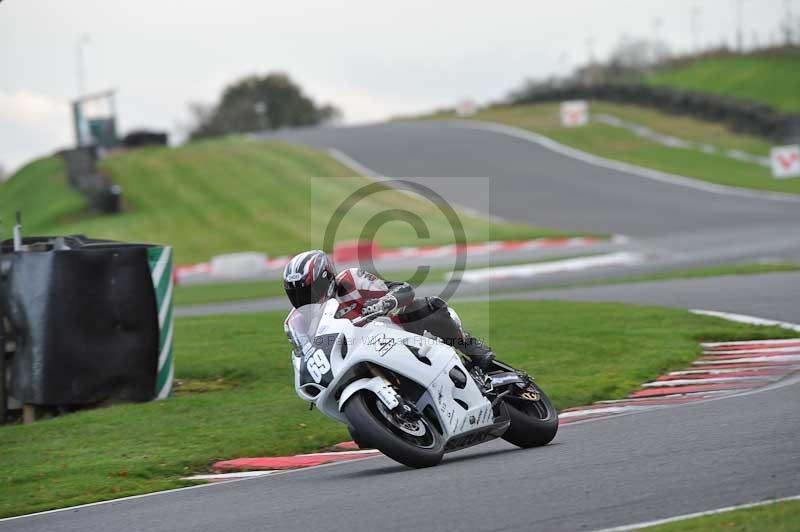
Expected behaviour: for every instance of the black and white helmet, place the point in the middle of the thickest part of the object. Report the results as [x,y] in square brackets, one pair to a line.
[309,278]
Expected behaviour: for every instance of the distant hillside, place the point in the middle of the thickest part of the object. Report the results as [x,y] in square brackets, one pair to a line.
[225,196]
[40,191]
[771,79]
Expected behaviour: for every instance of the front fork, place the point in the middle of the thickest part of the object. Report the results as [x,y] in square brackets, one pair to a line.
[403,409]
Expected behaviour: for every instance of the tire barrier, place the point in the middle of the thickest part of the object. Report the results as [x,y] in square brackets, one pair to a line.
[90,320]
[83,175]
[740,115]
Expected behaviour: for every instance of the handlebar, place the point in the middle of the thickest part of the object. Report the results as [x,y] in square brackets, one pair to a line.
[368,318]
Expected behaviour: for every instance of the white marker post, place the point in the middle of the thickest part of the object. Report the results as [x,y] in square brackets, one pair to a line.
[574,113]
[466,108]
[785,161]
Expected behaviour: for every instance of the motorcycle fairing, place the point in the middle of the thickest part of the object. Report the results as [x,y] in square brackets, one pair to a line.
[425,361]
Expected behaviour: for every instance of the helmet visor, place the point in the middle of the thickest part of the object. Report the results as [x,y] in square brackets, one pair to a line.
[300,294]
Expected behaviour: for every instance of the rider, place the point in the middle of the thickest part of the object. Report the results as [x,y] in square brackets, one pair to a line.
[310,277]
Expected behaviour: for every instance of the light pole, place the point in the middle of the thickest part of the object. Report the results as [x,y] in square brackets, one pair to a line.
[739,31]
[695,28]
[82,41]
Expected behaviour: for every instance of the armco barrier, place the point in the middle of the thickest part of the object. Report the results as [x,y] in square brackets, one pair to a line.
[743,116]
[91,321]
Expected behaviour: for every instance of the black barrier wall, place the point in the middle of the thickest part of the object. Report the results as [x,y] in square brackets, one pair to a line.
[84,317]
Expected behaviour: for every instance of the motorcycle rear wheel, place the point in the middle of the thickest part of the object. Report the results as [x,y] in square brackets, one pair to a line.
[413,444]
[533,423]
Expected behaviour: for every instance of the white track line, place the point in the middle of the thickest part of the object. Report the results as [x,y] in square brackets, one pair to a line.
[792,341]
[748,360]
[757,351]
[592,411]
[620,258]
[712,371]
[231,476]
[692,382]
[619,166]
[647,524]
[744,318]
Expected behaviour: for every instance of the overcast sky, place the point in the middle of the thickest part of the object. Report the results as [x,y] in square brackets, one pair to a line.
[373,59]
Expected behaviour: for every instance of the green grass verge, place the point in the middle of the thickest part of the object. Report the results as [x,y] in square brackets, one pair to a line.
[623,145]
[779,517]
[773,79]
[579,352]
[229,195]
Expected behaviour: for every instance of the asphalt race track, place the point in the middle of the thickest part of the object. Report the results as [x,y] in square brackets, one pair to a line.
[533,184]
[773,296]
[596,474]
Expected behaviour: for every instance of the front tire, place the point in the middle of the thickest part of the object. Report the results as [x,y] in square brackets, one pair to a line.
[533,423]
[414,445]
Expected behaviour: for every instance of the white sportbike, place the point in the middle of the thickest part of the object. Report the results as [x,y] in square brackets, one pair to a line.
[410,396]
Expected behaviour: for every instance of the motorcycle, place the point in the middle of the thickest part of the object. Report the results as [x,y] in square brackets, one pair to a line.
[412,397]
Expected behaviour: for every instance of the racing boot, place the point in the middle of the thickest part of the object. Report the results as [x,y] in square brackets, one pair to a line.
[479,353]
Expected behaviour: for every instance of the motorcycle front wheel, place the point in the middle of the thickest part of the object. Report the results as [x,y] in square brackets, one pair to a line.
[412,443]
[533,423]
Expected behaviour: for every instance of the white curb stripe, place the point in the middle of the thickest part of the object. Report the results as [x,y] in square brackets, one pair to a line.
[343,453]
[790,341]
[647,524]
[777,358]
[685,382]
[753,351]
[619,166]
[731,370]
[621,258]
[231,476]
[607,410]
[744,318]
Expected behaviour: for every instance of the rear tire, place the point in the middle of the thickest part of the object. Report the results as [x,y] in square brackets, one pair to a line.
[532,424]
[373,428]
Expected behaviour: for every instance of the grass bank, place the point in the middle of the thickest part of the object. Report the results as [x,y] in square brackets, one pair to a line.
[584,352]
[778,517]
[624,145]
[770,79]
[229,195]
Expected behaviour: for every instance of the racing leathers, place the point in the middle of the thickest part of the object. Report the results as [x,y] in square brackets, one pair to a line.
[360,292]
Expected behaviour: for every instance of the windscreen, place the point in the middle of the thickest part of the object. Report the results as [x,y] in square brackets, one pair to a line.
[303,324]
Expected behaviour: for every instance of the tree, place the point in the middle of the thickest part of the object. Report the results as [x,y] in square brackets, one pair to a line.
[256,103]
[637,55]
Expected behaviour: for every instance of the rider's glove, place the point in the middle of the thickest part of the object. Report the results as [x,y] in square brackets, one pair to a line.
[384,305]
